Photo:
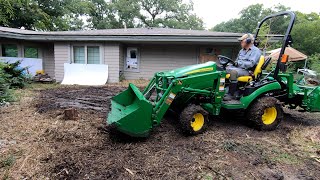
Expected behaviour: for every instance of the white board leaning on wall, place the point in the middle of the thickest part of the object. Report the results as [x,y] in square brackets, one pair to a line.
[85,74]
[32,64]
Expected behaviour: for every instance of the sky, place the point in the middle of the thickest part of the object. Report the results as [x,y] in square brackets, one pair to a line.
[214,12]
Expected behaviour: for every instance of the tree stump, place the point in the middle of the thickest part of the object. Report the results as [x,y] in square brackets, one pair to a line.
[71,114]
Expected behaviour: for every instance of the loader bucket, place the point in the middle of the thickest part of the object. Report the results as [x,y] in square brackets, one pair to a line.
[131,113]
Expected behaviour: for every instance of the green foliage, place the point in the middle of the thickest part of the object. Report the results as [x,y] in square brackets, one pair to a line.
[30,52]
[7,162]
[10,50]
[306,37]
[294,66]
[42,14]
[5,94]
[99,14]
[249,18]
[14,75]
[168,13]
[305,33]
[143,13]
[11,76]
[315,62]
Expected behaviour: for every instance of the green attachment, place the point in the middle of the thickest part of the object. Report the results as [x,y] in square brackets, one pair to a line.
[313,100]
[131,112]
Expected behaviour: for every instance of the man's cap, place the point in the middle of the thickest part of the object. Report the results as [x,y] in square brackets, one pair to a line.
[246,36]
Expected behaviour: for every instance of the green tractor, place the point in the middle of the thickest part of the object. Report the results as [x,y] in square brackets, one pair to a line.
[196,92]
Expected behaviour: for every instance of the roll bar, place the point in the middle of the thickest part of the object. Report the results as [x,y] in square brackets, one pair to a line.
[286,39]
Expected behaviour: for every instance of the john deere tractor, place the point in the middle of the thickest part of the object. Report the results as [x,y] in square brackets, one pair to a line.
[196,92]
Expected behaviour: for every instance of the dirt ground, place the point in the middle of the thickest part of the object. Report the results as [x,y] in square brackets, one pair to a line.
[37,143]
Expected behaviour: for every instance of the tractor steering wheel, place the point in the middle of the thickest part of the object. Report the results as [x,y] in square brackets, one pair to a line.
[224,61]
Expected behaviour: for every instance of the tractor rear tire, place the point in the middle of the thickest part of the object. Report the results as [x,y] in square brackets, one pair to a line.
[194,119]
[265,114]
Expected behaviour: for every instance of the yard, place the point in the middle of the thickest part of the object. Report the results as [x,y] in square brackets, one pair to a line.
[37,143]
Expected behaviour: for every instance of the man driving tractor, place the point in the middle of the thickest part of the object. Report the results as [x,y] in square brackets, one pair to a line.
[247,59]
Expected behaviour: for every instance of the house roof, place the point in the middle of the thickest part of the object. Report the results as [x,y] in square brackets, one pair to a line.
[130,34]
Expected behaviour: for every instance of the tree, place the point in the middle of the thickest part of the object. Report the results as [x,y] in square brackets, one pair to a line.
[143,13]
[42,14]
[248,20]
[56,15]
[100,16]
[6,10]
[305,33]
[128,12]
[169,13]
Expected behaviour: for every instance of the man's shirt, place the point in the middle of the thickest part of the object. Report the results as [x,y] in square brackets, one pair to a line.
[247,59]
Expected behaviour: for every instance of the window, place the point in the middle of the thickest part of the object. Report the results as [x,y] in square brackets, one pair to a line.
[86,54]
[78,55]
[93,55]
[208,54]
[227,52]
[9,50]
[209,51]
[132,60]
[133,54]
[31,52]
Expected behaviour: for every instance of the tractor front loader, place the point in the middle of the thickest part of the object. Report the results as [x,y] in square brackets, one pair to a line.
[196,92]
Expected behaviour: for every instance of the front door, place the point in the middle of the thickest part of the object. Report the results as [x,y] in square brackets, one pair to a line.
[132,61]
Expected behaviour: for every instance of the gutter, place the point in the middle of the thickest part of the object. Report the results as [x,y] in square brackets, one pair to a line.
[133,38]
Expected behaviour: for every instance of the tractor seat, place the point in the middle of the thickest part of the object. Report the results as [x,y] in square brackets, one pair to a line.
[262,64]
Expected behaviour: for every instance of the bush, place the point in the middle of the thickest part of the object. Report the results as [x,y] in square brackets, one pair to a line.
[11,76]
[314,62]
[5,94]
[14,75]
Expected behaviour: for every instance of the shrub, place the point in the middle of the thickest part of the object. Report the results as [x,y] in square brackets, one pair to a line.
[5,94]
[11,76]
[14,75]
[314,62]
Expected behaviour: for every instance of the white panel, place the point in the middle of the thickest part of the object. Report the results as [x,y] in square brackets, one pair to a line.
[85,74]
[32,64]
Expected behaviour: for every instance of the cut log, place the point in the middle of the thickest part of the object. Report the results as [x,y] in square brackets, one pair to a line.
[71,114]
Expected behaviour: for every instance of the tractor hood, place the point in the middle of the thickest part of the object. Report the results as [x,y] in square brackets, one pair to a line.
[188,70]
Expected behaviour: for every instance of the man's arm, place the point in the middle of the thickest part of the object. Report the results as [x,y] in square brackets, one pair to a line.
[251,62]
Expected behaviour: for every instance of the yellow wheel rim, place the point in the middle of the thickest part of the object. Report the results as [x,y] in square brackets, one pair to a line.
[197,122]
[269,115]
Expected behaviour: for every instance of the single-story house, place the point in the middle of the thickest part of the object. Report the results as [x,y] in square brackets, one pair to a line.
[134,53]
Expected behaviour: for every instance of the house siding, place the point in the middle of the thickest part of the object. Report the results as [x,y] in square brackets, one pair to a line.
[110,55]
[154,58]
[112,59]
[48,60]
[46,53]
[61,56]
[121,60]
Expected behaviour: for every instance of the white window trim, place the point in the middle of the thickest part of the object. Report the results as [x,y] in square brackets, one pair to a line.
[86,52]
[125,60]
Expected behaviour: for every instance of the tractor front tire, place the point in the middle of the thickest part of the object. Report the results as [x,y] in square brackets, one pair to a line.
[193,119]
[265,114]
